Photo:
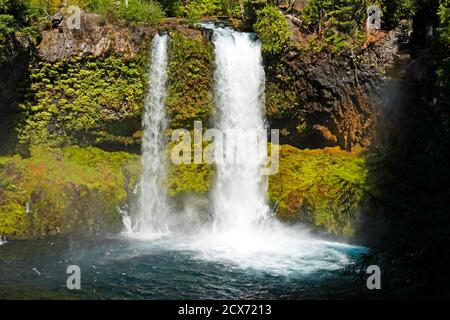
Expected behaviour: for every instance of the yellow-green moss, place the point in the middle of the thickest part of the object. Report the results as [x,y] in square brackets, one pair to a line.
[67,190]
[313,185]
[189,178]
[190,80]
[83,101]
[13,220]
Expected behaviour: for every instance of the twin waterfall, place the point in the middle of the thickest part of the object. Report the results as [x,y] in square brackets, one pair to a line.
[238,197]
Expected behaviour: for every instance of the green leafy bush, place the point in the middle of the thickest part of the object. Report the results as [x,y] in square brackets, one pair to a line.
[340,24]
[396,10]
[272,28]
[337,23]
[444,17]
[148,12]
[195,9]
[5,26]
[7,20]
[250,9]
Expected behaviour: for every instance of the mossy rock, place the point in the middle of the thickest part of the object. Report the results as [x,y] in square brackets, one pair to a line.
[67,190]
[321,187]
[190,75]
[83,101]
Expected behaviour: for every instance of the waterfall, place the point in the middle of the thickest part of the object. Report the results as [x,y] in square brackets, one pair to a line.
[238,199]
[153,203]
[239,194]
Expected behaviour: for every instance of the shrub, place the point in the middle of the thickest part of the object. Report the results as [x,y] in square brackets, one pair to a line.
[444,17]
[340,23]
[195,9]
[5,26]
[139,11]
[272,28]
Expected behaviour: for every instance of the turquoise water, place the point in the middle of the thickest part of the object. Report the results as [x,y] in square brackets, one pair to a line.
[172,267]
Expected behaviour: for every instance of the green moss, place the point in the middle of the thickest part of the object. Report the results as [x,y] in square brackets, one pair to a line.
[281,96]
[81,101]
[68,190]
[13,220]
[313,185]
[189,178]
[190,81]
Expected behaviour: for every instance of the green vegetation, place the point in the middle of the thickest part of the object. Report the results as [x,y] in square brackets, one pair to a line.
[195,9]
[68,190]
[340,24]
[190,81]
[444,18]
[5,30]
[396,10]
[11,13]
[335,23]
[318,186]
[281,97]
[189,178]
[138,11]
[83,101]
[272,28]
[269,23]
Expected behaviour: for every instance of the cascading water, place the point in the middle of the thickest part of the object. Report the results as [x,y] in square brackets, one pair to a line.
[153,204]
[239,195]
[238,198]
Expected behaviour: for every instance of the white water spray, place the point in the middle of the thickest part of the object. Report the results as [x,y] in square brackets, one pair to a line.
[239,195]
[153,203]
[238,198]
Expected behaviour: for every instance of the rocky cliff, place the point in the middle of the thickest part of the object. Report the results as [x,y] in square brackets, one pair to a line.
[334,99]
[86,88]
[316,99]
[16,56]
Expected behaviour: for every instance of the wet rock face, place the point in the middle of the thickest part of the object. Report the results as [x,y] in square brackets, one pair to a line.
[13,69]
[340,96]
[92,38]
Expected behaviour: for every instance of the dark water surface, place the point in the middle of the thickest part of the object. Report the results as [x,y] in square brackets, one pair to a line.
[113,268]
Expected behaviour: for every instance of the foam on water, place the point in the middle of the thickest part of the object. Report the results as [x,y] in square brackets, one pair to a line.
[241,234]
